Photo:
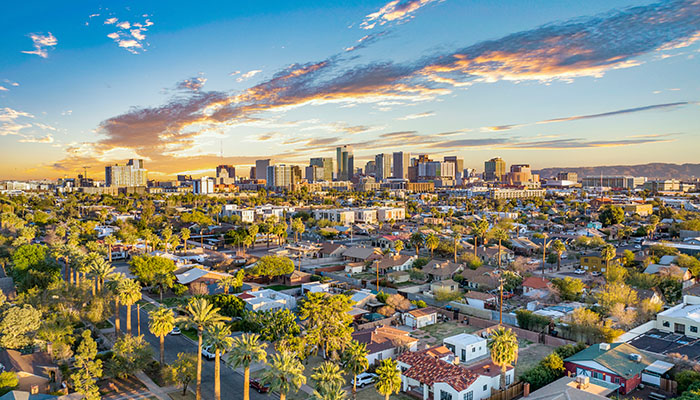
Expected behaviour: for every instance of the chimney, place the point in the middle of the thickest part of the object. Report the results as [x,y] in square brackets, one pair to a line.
[526,389]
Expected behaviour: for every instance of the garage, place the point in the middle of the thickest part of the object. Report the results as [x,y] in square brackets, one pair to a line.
[654,372]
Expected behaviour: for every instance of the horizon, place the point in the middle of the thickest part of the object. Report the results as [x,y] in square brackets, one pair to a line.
[227,84]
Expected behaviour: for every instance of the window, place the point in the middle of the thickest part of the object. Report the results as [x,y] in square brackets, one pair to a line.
[507,380]
[485,388]
[694,329]
[598,375]
[469,395]
[617,380]
[667,324]
[464,354]
[445,395]
[473,349]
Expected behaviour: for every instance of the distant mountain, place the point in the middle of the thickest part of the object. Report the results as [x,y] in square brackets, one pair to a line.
[651,171]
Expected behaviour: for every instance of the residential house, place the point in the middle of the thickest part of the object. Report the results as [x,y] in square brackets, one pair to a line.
[385,342]
[483,278]
[296,278]
[671,270]
[192,274]
[354,267]
[395,262]
[420,317]
[595,262]
[572,388]
[683,319]
[332,250]
[362,254]
[440,270]
[617,363]
[446,285]
[489,255]
[536,287]
[468,348]
[267,299]
[37,373]
[479,299]
[524,246]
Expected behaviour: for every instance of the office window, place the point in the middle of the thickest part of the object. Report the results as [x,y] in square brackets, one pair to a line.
[445,395]
[694,329]
[469,395]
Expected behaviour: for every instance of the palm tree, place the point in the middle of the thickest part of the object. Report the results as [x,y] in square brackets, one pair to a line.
[477,231]
[332,392]
[327,374]
[246,350]
[417,241]
[100,269]
[500,235]
[607,253]
[113,287]
[388,378]
[129,292]
[110,241]
[355,361]
[503,345]
[218,337]
[432,242]
[200,316]
[285,374]
[167,235]
[162,322]
[559,248]
[232,281]
[457,231]
[185,236]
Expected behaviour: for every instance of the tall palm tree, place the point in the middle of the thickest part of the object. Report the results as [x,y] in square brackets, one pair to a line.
[398,246]
[113,286]
[327,374]
[110,241]
[503,345]
[388,378]
[500,235]
[417,241]
[246,350]
[218,337]
[432,242]
[607,253]
[162,322]
[167,235]
[559,248]
[200,316]
[332,392]
[479,230]
[129,292]
[100,269]
[355,361]
[185,236]
[285,374]
[231,281]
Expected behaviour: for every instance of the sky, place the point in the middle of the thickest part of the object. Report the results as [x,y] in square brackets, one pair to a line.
[186,87]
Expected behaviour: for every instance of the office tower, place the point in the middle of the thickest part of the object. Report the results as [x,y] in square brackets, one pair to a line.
[494,169]
[203,185]
[129,175]
[521,175]
[346,163]
[314,173]
[435,169]
[327,164]
[225,174]
[382,165]
[401,164]
[459,165]
[370,168]
[261,168]
[567,176]
[184,178]
[282,176]
[253,174]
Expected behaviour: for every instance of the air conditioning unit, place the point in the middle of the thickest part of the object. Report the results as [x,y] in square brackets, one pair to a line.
[636,357]
[582,382]
[604,346]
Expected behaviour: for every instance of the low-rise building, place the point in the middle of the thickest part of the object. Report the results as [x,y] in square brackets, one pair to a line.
[468,348]
[384,342]
[267,299]
[420,317]
[683,319]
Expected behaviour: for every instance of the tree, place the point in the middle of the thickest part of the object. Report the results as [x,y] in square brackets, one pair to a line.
[326,375]
[398,246]
[232,281]
[607,253]
[388,378]
[479,230]
[569,289]
[253,233]
[355,361]
[272,325]
[611,215]
[285,374]
[432,242]
[328,325]
[87,370]
[200,315]
[110,241]
[18,326]
[162,322]
[298,228]
[417,240]
[182,371]
[131,354]
[503,344]
[616,292]
[8,381]
[246,350]
[146,268]
[33,266]
[100,270]
[445,295]
[217,337]
[129,292]
[185,236]
[272,266]
[559,248]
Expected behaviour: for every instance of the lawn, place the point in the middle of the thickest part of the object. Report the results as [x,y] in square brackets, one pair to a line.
[146,306]
[191,333]
[530,355]
[174,301]
[434,334]
[282,287]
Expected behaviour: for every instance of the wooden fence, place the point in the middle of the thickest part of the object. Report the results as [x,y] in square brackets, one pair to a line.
[668,386]
[510,393]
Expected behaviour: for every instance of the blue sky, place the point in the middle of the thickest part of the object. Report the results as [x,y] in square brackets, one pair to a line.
[552,83]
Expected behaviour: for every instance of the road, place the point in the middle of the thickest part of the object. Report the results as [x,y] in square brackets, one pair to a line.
[231,381]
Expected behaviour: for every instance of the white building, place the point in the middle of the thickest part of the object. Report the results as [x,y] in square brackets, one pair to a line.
[246,214]
[366,215]
[267,299]
[391,213]
[467,347]
[340,216]
[683,319]
[203,185]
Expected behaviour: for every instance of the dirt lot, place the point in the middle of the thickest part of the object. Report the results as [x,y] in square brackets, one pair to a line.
[434,334]
[529,355]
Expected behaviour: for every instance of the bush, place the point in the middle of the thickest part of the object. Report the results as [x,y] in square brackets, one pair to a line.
[179,290]
[686,378]
[420,262]
[531,321]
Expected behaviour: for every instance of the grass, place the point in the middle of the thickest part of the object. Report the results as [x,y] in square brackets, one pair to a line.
[174,301]
[191,333]
[178,395]
[146,306]
[529,356]
[282,287]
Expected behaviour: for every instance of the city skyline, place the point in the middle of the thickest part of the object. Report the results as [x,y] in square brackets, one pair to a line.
[542,85]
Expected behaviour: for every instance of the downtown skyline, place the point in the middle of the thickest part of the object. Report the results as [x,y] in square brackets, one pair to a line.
[556,84]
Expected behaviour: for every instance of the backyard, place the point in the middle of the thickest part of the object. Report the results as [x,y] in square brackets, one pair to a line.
[529,355]
[434,334]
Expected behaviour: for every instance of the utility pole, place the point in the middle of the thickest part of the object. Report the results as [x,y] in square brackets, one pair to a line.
[376,267]
[544,253]
[500,303]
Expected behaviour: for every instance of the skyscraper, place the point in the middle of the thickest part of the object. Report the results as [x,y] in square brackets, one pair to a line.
[401,164]
[494,169]
[382,166]
[327,164]
[225,174]
[346,162]
[129,175]
[459,165]
[261,168]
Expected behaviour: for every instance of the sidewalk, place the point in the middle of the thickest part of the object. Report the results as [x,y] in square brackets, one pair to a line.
[155,390]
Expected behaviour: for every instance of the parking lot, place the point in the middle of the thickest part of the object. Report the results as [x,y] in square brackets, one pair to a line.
[666,343]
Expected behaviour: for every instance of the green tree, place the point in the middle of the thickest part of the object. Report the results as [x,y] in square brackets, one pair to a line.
[182,371]
[285,374]
[355,361]
[246,350]
[432,242]
[417,240]
[332,392]
[569,289]
[18,326]
[503,344]
[162,322]
[8,381]
[272,266]
[87,370]
[200,315]
[611,215]
[131,355]
[110,241]
[398,246]
[100,269]
[273,325]
[479,230]
[328,326]
[559,248]
[326,375]
[232,281]
[388,378]
[218,338]
[129,292]
[607,253]
[616,292]
[298,228]
[146,268]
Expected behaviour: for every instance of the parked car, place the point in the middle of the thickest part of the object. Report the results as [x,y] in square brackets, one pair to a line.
[259,386]
[580,271]
[595,273]
[207,352]
[175,331]
[365,378]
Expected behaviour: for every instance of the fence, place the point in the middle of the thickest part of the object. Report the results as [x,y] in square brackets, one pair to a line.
[668,386]
[534,337]
[370,325]
[510,393]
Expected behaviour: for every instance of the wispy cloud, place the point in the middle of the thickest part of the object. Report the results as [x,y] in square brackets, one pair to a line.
[193,84]
[34,139]
[417,116]
[130,36]
[366,41]
[42,42]
[248,75]
[394,11]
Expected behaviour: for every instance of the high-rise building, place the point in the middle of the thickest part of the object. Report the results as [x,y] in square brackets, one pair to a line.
[261,168]
[282,176]
[327,164]
[253,174]
[346,163]
[382,165]
[370,168]
[225,174]
[314,173]
[494,169]
[521,175]
[203,185]
[401,163]
[129,175]
[459,166]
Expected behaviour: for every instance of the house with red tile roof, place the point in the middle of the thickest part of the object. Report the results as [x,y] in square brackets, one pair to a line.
[536,287]
[384,342]
[428,376]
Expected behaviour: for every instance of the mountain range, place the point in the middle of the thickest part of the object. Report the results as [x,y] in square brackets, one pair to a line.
[651,170]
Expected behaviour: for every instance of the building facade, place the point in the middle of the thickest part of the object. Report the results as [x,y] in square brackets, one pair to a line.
[129,175]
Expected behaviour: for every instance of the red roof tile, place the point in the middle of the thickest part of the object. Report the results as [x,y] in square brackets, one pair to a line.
[427,369]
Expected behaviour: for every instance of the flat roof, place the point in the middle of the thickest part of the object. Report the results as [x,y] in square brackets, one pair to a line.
[659,367]
[656,341]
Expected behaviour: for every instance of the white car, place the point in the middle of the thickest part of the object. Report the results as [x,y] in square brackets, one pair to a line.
[365,378]
[207,353]
[580,271]
[175,331]
[595,273]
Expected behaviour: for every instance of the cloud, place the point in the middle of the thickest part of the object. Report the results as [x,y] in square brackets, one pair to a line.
[417,116]
[193,84]
[3,89]
[248,75]
[111,21]
[130,35]
[394,11]
[41,43]
[592,116]
[366,40]
[33,139]
[580,143]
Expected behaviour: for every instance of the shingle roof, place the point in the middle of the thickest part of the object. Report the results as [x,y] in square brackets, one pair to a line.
[616,359]
[441,268]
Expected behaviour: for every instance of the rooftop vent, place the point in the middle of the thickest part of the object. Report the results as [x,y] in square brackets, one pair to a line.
[636,357]
[604,346]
